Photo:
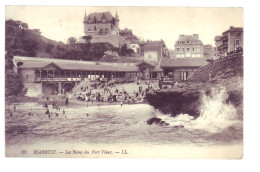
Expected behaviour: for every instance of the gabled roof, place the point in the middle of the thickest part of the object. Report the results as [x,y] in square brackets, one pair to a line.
[147,63]
[40,63]
[99,16]
[52,64]
[183,62]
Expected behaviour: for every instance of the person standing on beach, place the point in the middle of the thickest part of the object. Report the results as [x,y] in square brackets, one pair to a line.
[67,101]
[47,112]
[121,103]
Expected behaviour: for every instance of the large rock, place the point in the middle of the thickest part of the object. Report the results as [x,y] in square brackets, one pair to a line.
[156,120]
[176,102]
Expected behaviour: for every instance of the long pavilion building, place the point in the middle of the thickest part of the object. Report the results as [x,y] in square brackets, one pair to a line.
[56,76]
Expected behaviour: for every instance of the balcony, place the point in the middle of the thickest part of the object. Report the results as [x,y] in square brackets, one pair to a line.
[224,38]
[38,79]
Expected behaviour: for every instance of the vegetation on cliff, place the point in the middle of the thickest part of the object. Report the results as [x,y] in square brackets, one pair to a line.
[21,41]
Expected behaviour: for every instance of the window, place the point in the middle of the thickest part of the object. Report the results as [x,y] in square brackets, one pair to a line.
[27,76]
[193,49]
[183,50]
[95,28]
[188,42]
[178,49]
[237,42]
[184,76]
[188,49]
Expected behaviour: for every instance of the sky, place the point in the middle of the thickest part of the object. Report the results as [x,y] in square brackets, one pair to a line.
[148,23]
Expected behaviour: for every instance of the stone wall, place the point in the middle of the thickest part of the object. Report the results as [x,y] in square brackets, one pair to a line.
[223,67]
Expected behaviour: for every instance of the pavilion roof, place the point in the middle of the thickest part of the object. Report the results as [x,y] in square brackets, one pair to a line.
[40,63]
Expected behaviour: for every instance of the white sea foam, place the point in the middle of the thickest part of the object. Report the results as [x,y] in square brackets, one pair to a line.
[215,114]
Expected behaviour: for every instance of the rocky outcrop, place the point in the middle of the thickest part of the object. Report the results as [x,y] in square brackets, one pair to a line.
[186,99]
[176,102]
[158,121]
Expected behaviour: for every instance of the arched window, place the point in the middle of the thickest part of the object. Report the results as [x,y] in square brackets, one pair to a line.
[95,28]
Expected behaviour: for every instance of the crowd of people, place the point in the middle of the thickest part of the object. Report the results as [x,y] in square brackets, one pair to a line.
[55,111]
[115,94]
[50,110]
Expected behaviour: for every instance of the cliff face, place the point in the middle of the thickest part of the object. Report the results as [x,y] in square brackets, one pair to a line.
[188,98]
[176,102]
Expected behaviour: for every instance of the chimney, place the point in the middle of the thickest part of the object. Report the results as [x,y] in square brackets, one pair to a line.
[231,27]
[196,36]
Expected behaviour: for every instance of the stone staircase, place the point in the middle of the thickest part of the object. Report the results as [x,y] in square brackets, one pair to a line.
[83,83]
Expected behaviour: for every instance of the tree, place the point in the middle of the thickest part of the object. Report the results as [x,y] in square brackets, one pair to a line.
[13,83]
[31,46]
[71,40]
[49,48]
[87,38]
[125,51]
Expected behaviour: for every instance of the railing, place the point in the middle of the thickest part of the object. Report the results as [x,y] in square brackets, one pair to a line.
[224,37]
[38,79]
[79,84]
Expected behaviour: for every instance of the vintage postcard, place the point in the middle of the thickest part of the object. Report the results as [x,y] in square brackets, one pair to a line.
[124,82]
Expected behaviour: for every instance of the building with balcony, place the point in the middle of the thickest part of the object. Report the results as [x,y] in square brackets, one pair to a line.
[98,24]
[44,76]
[102,27]
[231,40]
[188,46]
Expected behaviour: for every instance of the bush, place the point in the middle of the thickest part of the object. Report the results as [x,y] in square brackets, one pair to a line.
[13,83]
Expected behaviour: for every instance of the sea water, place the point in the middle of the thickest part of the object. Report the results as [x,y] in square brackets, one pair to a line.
[123,125]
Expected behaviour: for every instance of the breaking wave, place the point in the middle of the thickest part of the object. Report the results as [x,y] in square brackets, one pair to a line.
[215,114]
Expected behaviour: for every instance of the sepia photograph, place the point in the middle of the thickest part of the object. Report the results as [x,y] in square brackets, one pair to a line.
[124,82]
